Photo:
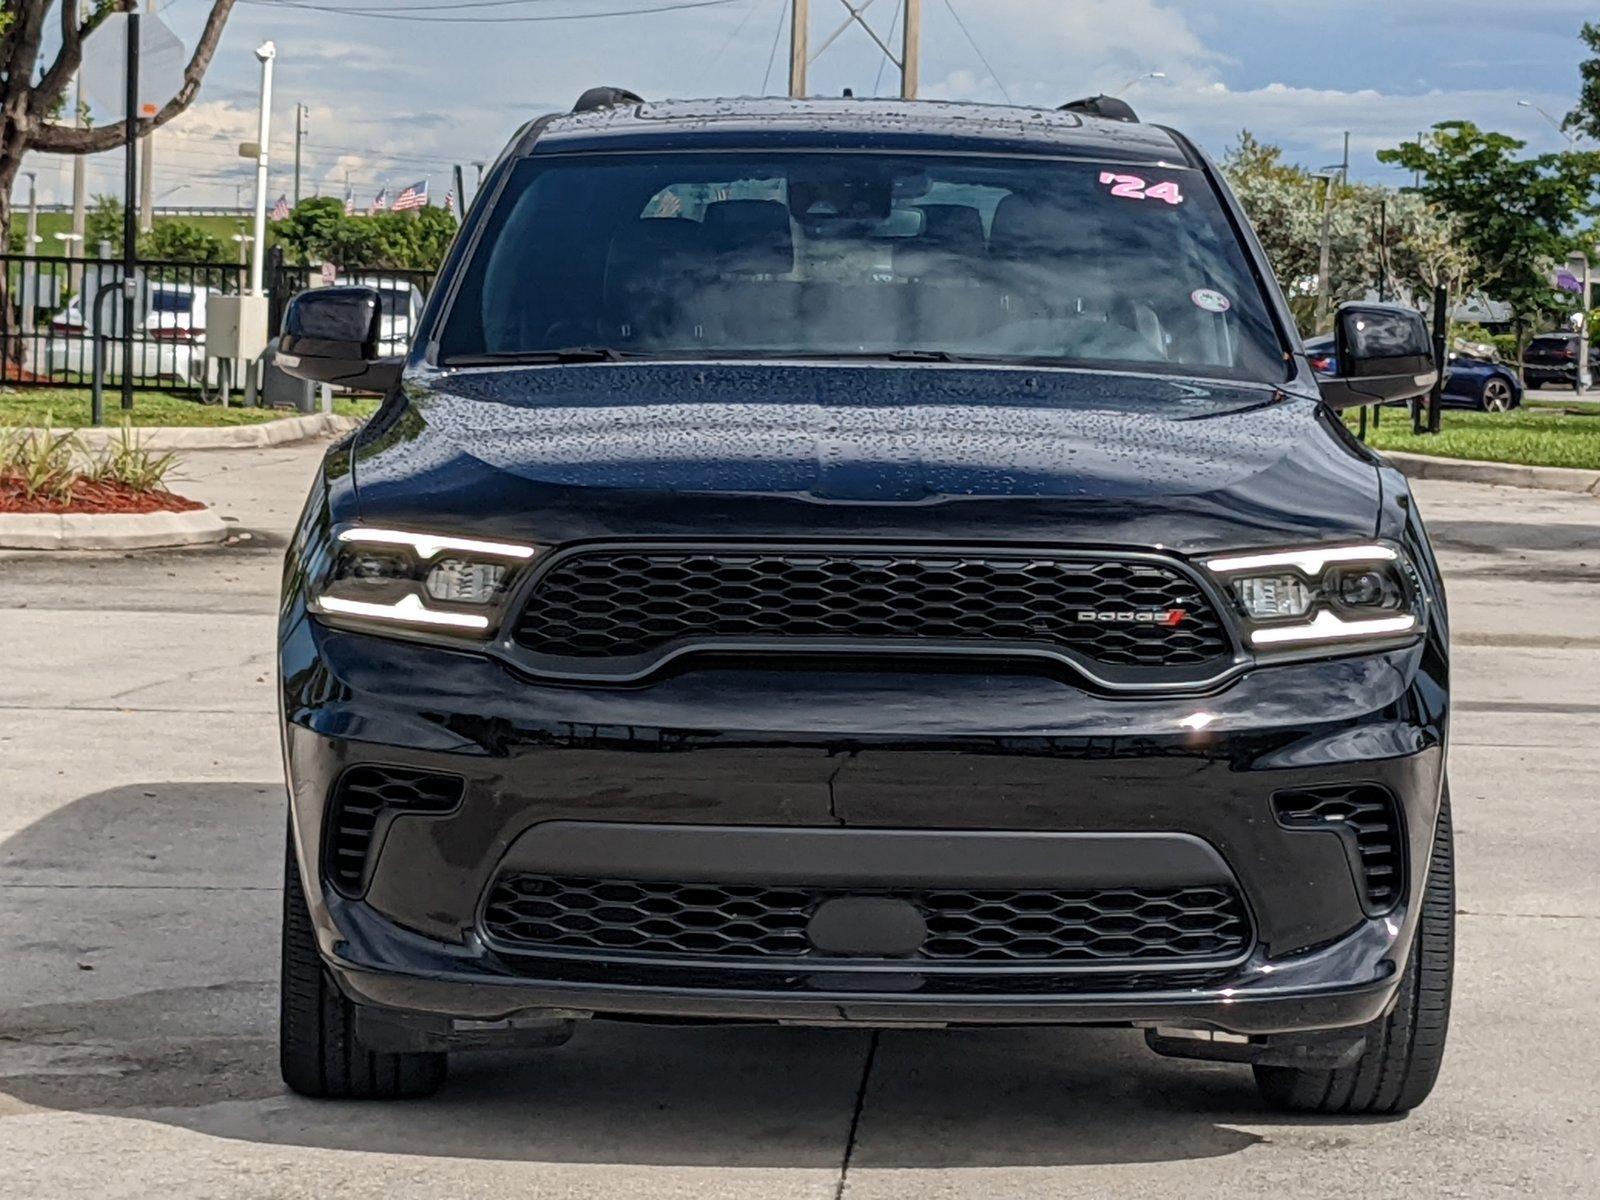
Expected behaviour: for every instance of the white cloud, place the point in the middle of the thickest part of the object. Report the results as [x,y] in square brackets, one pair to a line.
[393,101]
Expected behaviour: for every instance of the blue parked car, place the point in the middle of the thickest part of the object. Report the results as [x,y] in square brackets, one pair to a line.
[1468,383]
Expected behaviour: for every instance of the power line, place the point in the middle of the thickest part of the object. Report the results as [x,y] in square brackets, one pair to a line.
[883,60]
[391,15]
[776,38]
[975,49]
[723,49]
[435,7]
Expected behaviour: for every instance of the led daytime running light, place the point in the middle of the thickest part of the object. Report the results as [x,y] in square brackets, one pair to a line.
[429,545]
[408,609]
[1311,562]
[1328,627]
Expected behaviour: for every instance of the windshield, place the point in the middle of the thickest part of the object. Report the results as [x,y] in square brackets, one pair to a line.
[849,255]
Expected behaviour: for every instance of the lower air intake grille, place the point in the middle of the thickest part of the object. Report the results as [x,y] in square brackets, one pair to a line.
[1369,819]
[366,796]
[696,920]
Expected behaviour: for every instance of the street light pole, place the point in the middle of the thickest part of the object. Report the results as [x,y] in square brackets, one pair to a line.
[1572,138]
[1138,79]
[130,216]
[31,299]
[266,53]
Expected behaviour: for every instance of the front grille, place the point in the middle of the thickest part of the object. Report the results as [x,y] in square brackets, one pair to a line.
[622,604]
[695,920]
[1369,819]
[363,797]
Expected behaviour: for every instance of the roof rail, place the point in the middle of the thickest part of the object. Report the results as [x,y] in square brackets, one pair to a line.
[1108,107]
[605,97]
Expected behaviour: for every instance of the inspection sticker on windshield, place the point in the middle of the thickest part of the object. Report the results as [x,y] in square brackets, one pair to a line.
[1135,187]
[1210,300]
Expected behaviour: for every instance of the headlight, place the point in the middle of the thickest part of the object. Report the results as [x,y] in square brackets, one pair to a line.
[1334,595]
[399,578]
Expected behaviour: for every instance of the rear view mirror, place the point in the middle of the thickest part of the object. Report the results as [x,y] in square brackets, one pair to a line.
[1384,353]
[330,335]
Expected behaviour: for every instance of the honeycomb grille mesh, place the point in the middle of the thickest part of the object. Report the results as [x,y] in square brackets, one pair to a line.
[363,796]
[1370,820]
[1109,926]
[620,604]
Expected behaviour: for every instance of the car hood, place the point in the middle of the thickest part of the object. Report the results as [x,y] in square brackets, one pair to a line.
[558,454]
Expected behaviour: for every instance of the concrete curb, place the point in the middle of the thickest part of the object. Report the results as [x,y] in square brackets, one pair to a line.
[230,437]
[1467,470]
[110,531]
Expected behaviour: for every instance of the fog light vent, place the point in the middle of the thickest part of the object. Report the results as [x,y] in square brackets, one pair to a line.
[363,798]
[1367,817]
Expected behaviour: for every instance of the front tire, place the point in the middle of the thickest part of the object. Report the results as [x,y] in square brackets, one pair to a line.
[1404,1050]
[320,1052]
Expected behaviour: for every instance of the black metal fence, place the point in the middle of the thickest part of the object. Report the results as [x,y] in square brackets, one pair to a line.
[48,328]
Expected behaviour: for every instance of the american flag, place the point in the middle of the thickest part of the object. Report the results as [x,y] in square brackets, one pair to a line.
[450,201]
[281,210]
[349,204]
[381,201]
[415,196]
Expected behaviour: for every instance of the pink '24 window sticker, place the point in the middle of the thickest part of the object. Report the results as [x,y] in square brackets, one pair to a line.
[1136,187]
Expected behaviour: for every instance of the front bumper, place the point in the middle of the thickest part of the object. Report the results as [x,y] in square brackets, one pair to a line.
[843,750]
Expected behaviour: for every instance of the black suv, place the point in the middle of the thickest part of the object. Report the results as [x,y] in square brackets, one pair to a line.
[871,564]
[1552,358]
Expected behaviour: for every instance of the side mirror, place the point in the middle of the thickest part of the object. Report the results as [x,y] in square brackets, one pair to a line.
[1385,354]
[330,335]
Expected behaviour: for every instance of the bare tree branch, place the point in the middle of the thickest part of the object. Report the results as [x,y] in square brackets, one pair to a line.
[62,139]
[69,57]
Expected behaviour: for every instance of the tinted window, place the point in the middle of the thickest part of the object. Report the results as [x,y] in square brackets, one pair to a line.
[171,302]
[866,254]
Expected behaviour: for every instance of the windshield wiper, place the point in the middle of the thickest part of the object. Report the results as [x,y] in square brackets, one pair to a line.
[566,354]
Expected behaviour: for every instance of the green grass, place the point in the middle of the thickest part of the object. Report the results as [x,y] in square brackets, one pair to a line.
[70,407]
[1537,438]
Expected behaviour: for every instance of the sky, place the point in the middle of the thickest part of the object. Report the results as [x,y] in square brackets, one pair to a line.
[393,101]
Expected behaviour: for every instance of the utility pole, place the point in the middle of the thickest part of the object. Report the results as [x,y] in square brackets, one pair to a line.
[300,112]
[1344,166]
[1324,253]
[911,51]
[799,46]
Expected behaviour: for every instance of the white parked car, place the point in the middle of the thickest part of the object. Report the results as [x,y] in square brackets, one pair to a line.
[169,338]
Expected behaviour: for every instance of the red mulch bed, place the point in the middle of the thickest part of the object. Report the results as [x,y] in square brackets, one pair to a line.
[90,497]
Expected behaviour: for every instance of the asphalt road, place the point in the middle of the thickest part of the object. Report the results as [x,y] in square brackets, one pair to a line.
[140,825]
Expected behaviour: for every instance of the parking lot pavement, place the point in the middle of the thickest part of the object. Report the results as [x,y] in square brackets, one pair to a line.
[140,825]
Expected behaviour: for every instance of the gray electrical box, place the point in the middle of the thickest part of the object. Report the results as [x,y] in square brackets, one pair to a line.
[236,327]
